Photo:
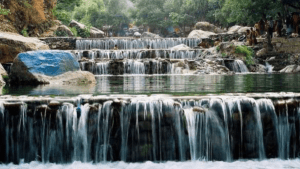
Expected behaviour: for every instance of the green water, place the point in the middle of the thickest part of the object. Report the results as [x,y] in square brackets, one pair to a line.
[170,84]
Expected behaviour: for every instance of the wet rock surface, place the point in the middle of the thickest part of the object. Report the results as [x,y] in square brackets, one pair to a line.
[46,67]
[13,44]
[142,128]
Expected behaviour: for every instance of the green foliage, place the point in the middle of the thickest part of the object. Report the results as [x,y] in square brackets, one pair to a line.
[24,32]
[84,33]
[218,48]
[61,33]
[27,4]
[248,52]
[62,15]
[5,78]
[4,11]
[74,31]
[224,55]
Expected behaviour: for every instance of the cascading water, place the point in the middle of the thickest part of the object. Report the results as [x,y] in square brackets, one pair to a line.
[134,67]
[237,66]
[108,44]
[155,128]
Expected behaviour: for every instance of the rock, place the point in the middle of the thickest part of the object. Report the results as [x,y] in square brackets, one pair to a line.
[70,78]
[50,32]
[192,64]
[63,28]
[149,35]
[137,34]
[2,82]
[205,26]
[291,69]
[94,32]
[258,68]
[238,29]
[44,67]
[227,47]
[2,71]
[199,109]
[200,34]
[57,22]
[12,44]
[262,52]
[35,16]
[181,47]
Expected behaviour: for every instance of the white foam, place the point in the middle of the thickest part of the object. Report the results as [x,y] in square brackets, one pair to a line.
[266,164]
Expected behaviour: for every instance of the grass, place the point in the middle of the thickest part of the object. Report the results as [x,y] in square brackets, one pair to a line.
[224,55]
[248,52]
[24,32]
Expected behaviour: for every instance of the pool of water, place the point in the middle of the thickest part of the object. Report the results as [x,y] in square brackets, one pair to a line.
[170,84]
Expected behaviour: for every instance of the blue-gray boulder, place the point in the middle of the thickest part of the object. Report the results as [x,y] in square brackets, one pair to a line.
[36,67]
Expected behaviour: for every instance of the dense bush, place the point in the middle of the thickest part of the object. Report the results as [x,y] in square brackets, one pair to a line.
[248,52]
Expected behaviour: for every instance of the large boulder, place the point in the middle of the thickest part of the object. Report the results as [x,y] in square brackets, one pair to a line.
[149,35]
[137,34]
[94,32]
[44,67]
[291,69]
[12,44]
[65,29]
[205,26]
[238,29]
[2,83]
[181,47]
[2,71]
[200,34]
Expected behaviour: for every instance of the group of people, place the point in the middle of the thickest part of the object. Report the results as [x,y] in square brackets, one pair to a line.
[270,26]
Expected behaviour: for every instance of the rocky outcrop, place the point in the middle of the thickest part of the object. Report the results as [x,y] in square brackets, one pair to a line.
[238,29]
[137,34]
[34,16]
[2,71]
[206,26]
[44,67]
[200,34]
[207,66]
[12,44]
[94,32]
[149,35]
[291,69]
[180,47]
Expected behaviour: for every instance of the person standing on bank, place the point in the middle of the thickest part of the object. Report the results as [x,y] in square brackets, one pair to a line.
[279,24]
[271,27]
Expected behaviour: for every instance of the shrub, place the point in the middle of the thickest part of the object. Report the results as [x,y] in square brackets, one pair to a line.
[246,51]
[61,33]
[218,48]
[62,15]
[24,32]
[224,54]
[85,33]
[74,31]
[4,11]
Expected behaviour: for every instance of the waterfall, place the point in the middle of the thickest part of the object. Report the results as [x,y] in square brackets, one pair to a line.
[143,128]
[269,68]
[134,67]
[108,44]
[137,54]
[237,66]
[102,68]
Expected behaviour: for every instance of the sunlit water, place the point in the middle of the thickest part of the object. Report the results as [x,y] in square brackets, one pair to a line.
[171,84]
[266,164]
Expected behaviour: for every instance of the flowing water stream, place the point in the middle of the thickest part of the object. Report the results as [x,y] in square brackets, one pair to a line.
[130,127]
